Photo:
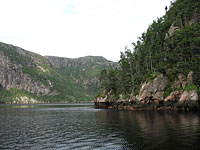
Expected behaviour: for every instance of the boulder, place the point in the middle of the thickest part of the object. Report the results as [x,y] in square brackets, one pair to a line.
[193,95]
[184,96]
[189,95]
[158,95]
[145,91]
[153,90]
[175,95]
[160,83]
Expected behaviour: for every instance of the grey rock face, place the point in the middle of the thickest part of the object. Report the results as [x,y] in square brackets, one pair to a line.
[190,78]
[153,90]
[175,95]
[194,19]
[183,80]
[151,96]
[171,31]
[11,76]
[189,95]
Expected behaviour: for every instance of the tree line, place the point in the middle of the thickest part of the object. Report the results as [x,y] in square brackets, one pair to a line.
[158,52]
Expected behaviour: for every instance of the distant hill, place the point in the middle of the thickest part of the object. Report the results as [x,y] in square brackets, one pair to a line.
[27,77]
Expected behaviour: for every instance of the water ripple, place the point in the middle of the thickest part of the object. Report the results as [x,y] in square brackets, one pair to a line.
[85,128]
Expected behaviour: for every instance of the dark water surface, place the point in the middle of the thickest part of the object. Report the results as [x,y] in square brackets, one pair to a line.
[82,127]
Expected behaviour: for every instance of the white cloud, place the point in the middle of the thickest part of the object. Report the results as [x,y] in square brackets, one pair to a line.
[75,28]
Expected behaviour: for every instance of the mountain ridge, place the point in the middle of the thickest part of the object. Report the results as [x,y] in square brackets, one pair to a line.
[41,78]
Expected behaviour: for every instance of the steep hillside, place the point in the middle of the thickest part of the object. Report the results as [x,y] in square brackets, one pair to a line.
[85,71]
[163,69]
[28,77]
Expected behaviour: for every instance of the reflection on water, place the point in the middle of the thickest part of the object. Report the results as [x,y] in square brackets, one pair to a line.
[155,130]
[82,127]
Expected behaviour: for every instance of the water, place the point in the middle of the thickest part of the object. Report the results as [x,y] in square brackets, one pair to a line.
[70,127]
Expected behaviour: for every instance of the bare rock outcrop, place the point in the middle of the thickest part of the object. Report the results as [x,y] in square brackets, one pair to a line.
[174,96]
[183,95]
[151,96]
[153,90]
[182,79]
[12,76]
[190,78]
[189,95]
[171,31]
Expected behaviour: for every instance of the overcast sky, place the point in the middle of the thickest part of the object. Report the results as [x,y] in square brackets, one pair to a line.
[76,28]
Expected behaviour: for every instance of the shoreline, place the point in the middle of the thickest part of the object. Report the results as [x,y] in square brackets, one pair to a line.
[137,106]
[60,103]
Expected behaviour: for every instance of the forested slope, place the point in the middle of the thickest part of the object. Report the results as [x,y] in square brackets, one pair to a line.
[170,48]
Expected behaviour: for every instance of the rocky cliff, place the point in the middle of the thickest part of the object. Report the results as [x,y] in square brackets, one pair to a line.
[13,61]
[27,77]
[12,76]
[158,94]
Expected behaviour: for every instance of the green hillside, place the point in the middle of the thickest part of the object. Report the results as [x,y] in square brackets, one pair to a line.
[30,75]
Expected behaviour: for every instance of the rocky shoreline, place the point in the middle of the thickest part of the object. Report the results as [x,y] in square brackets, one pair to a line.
[155,95]
[126,105]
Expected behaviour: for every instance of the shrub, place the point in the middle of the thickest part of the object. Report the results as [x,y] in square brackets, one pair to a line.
[190,87]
